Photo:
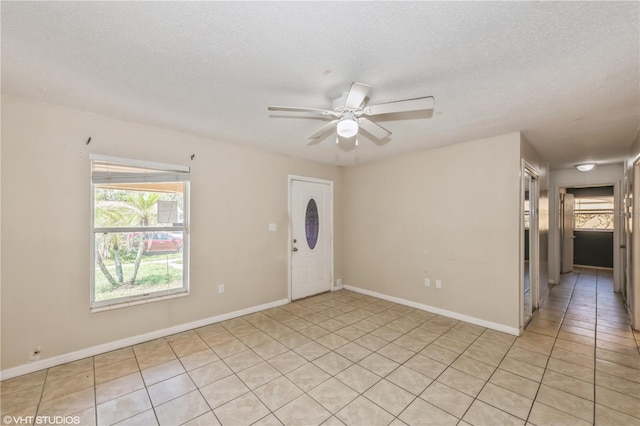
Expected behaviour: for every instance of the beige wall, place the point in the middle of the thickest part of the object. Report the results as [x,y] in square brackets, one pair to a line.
[235,193]
[451,214]
[533,159]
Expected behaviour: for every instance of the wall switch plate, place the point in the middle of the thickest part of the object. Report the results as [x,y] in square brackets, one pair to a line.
[221,288]
[427,282]
[273,227]
[438,284]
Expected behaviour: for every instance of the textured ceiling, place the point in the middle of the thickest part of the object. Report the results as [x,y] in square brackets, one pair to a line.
[564,73]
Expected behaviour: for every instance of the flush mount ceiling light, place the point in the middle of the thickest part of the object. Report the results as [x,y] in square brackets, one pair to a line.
[347,127]
[585,167]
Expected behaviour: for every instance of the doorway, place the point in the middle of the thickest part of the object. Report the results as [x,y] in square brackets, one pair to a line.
[529,248]
[587,227]
[311,232]
[564,185]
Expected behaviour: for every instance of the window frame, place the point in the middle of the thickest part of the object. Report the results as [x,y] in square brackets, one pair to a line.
[120,302]
[596,211]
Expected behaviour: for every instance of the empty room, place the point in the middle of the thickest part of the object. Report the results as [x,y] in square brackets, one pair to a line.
[320,213]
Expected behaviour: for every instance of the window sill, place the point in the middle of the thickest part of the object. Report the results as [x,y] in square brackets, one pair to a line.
[136,302]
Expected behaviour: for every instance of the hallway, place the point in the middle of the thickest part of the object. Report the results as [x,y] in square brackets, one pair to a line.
[594,365]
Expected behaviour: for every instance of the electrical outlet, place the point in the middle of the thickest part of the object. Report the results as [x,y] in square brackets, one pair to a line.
[427,282]
[338,282]
[35,354]
[221,288]
[438,284]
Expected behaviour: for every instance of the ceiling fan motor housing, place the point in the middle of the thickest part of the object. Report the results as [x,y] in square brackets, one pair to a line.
[339,106]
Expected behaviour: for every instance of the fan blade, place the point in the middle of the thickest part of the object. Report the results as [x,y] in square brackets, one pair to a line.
[324,129]
[297,109]
[357,93]
[374,129]
[416,104]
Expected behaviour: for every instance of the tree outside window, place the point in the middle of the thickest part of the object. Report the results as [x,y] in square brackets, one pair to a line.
[139,230]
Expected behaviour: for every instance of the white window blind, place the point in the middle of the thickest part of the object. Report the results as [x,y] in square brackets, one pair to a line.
[109,170]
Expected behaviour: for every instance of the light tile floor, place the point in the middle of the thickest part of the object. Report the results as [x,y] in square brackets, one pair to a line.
[346,358]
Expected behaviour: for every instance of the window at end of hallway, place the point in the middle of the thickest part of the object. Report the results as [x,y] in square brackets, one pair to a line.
[140,233]
[594,213]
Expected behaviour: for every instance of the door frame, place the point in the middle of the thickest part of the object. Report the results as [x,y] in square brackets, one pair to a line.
[307,179]
[634,285]
[618,229]
[562,221]
[534,241]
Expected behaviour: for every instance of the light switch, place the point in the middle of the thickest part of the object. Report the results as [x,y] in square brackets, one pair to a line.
[273,227]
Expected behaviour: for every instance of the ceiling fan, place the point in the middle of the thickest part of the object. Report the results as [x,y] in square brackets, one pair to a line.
[350,113]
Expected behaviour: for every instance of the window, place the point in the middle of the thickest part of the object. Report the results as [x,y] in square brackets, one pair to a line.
[312,224]
[594,213]
[140,231]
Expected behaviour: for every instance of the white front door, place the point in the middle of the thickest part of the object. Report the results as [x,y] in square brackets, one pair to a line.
[311,208]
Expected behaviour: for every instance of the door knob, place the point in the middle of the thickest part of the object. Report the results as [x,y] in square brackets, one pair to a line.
[295,249]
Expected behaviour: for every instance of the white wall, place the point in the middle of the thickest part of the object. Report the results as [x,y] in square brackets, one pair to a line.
[235,193]
[450,213]
[611,174]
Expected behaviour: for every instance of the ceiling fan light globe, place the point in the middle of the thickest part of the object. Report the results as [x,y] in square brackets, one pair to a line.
[347,128]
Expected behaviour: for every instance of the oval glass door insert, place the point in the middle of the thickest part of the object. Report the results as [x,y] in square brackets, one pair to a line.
[311,223]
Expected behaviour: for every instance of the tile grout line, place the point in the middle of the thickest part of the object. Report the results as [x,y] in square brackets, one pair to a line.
[555,339]
[595,348]
[271,412]
[357,363]
[475,398]
[46,376]
[403,364]
[576,300]
[146,388]
[95,390]
[400,365]
[436,378]
[376,352]
[187,373]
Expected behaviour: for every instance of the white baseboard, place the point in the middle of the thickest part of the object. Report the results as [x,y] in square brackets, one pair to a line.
[592,267]
[129,341]
[337,287]
[455,315]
